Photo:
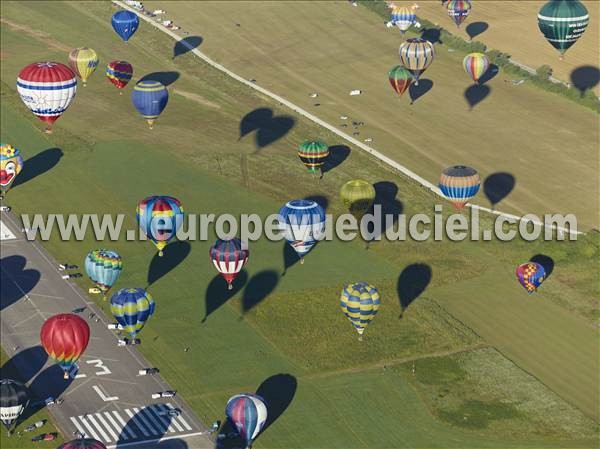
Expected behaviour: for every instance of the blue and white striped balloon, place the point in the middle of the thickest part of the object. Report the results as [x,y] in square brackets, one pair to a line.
[132,307]
[248,414]
[303,224]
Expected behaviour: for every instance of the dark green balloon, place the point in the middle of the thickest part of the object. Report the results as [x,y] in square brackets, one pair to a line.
[563,22]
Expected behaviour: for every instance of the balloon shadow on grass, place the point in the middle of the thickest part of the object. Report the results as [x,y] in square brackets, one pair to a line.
[545,261]
[16,281]
[490,73]
[24,365]
[432,35]
[153,420]
[165,78]
[290,257]
[269,128]
[413,281]
[173,254]
[476,28]
[278,391]
[258,288]
[497,186]
[48,383]
[385,197]
[337,155]
[475,94]
[38,165]
[583,78]
[172,444]
[417,91]
[185,45]
[218,294]
[321,200]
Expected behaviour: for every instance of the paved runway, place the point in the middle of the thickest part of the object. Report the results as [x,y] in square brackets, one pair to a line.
[107,399]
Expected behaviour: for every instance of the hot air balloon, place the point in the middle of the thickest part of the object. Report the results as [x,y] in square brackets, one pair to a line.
[358,197]
[313,153]
[83,443]
[416,55]
[303,223]
[132,307]
[83,61]
[47,89]
[458,10]
[64,337]
[360,303]
[403,17]
[14,399]
[159,218]
[562,22]
[459,184]
[125,23]
[530,276]
[11,164]
[248,414]
[400,79]
[103,267]
[476,64]
[119,73]
[229,257]
[150,98]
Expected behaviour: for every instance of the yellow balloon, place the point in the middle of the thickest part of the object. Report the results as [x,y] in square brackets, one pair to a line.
[358,196]
[83,61]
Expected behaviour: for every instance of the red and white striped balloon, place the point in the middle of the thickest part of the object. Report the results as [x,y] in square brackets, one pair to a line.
[47,89]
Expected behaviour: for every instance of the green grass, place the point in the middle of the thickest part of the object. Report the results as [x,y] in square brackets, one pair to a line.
[24,442]
[110,161]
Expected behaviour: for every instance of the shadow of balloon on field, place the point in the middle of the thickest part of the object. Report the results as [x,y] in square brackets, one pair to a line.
[278,391]
[151,422]
[417,91]
[545,261]
[476,28]
[12,270]
[385,196]
[50,383]
[258,288]
[218,294]
[269,128]
[24,365]
[290,257]
[337,155]
[584,78]
[165,78]
[38,165]
[475,94]
[413,281]
[230,438]
[432,35]
[173,254]
[497,186]
[489,74]
[186,44]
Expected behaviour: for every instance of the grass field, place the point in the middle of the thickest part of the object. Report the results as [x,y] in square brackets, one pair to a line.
[512,28]
[15,442]
[547,144]
[290,323]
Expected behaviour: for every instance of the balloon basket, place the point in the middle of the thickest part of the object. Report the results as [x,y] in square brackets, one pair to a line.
[229,286]
[302,261]
[360,338]
[48,130]
[66,376]
[120,92]
[160,254]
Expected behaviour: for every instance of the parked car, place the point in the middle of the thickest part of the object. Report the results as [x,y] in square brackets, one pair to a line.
[113,326]
[45,437]
[94,291]
[148,371]
[4,208]
[164,394]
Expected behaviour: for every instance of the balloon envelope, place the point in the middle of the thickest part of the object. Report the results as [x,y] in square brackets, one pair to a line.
[476,64]
[358,196]
[400,79]
[313,154]
[360,303]
[303,223]
[459,184]
[14,399]
[83,61]
[248,414]
[125,24]
[530,275]
[416,55]
[119,73]
[103,267]
[229,257]
[47,89]
[159,217]
[65,337]
[132,307]
[403,18]
[458,10]
[150,98]
[11,164]
[83,443]
[563,22]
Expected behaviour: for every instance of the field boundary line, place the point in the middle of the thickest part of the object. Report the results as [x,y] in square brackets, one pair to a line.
[383,158]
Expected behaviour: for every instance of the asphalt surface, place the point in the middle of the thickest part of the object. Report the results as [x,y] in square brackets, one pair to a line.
[107,399]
